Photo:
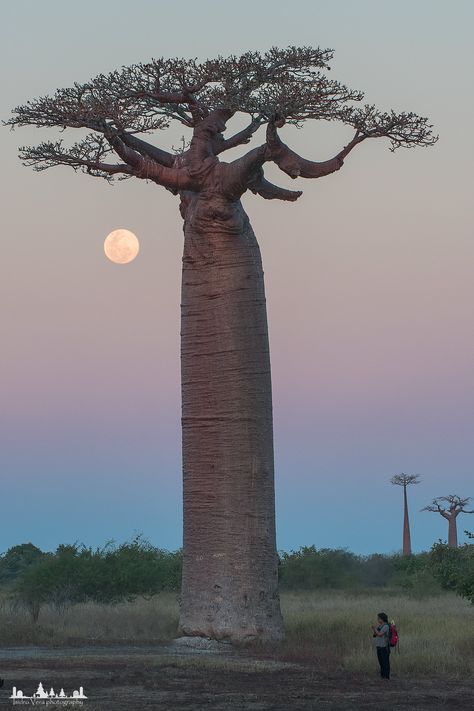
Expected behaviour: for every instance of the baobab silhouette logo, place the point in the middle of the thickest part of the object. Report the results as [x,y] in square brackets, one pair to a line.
[45,698]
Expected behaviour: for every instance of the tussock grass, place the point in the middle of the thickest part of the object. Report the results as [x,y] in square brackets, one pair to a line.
[327,630]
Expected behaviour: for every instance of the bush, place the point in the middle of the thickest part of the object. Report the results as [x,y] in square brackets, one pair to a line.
[454,568]
[309,568]
[111,574]
[17,560]
[338,569]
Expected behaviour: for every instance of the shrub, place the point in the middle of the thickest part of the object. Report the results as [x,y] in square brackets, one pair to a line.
[454,568]
[17,560]
[110,574]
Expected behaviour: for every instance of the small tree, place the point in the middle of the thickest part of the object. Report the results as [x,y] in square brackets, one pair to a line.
[405,480]
[454,568]
[450,507]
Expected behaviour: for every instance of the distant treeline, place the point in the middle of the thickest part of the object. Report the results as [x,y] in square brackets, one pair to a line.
[75,573]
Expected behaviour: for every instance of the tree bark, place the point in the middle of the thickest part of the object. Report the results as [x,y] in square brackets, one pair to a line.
[230,563]
[452,531]
[406,525]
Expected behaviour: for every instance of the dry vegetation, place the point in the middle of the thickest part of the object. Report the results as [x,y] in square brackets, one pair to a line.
[327,630]
[436,634]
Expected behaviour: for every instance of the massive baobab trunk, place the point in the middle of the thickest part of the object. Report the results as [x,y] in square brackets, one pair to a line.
[230,571]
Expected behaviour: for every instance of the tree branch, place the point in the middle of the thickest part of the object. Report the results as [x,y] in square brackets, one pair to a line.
[89,152]
[404,130]
[144,167]
[239,138]
[48,154]
[295,166]
[147,149]
[241,173]
[200,155]
[260,186]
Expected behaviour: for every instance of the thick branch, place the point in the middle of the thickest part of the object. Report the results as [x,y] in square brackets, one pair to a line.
[87,154]
[239,138]
[144,167]
[240,174]
[147,149]
[201,154]
[295,166]
[126,153]
[261,186]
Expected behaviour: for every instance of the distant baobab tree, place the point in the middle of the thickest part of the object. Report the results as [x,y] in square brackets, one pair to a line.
[405,480]
[450,507]
[230,580]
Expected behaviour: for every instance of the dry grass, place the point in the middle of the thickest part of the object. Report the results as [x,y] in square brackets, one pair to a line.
[154,620]
[333,631]
[328,630]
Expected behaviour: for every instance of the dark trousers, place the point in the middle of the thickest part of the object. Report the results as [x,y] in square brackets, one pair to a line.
[383,655]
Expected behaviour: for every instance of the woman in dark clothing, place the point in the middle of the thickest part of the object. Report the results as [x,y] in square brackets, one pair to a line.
[381,632]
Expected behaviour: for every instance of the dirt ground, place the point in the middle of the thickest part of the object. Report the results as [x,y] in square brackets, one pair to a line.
[131,679]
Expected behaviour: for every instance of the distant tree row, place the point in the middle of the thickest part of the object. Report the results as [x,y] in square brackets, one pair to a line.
[74,574]
[449,507]
[442,568]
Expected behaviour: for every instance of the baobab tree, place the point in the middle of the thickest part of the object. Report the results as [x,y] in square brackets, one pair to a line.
[405,480]
[450,507]
[230,581]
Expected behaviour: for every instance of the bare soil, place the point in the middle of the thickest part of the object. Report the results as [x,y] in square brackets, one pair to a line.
[166,679]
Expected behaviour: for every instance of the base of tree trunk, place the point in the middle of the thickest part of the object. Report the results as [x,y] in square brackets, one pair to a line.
[200,644]
[233,622]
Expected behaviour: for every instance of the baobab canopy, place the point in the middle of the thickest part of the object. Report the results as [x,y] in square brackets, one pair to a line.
[276,87]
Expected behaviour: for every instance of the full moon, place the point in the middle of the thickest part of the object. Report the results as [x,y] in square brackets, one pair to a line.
[121,246]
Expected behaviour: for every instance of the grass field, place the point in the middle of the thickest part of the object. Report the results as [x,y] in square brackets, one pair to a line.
[327,630]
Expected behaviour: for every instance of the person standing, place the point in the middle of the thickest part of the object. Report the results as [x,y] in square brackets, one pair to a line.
[381,632]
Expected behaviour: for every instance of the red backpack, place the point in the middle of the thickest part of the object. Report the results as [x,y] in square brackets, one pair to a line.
[392,635]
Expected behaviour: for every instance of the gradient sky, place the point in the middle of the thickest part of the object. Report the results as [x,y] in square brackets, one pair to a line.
[369,280]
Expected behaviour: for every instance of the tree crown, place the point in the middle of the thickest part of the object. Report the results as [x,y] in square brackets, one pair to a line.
[281,85]
[452,504]
[405,479]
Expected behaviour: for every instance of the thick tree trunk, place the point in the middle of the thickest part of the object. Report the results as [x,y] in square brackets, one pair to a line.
[230,563]
[452,532]
[406,525]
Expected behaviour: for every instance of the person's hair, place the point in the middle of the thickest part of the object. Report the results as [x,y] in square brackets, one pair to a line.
[382,616]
